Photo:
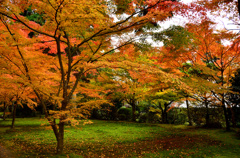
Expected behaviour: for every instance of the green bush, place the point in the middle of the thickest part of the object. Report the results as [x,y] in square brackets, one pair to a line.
[125,111]
[215,115]
[122,117]
[181,119]
[156,118]
[150,116]
[142,118]
[104,113]
[177,116]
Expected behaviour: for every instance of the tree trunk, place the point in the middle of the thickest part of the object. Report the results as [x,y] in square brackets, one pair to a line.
[58,131]
[4,110]
[13,115]
[60,138]
[226,118]
[133,111]
[225,114]
[164,116]
[188,113]
[207,113]
[165,112]
[160,107]
[223,105]
[233,117]
[42,109]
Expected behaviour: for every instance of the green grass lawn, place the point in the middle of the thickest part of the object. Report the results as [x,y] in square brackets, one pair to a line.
[33,138]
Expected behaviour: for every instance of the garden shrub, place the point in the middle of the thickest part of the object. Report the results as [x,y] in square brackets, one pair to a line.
[122,117]
[181,119]
[104,113]
[156,118]
[177,116]
[126,111]
[150,116]
[142,118]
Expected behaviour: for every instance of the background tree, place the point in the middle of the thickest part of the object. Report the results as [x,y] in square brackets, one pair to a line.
[163,100]
[233,98]
[216,55]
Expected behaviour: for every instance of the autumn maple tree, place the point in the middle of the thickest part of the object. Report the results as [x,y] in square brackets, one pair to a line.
[14,90]
[74,38]
[205,57]
[131,75]
[217,55]
[208,63]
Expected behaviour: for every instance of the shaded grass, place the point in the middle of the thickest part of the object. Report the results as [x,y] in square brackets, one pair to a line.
[23,122]
[118,139]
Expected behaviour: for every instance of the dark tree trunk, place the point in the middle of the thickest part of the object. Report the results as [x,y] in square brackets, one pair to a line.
[57,129]
[226,118]
[233,117]
[4,110]
[188,113]
[207,113]
[60,138]
[132,102]
[42,109]
[13,115]
[160,107]
[223,105]
[164,114]
[164,117]
[225,114]
[133,111]
[60,133]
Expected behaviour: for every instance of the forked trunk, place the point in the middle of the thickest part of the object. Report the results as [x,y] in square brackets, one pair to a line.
[57,129]
[164,112]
